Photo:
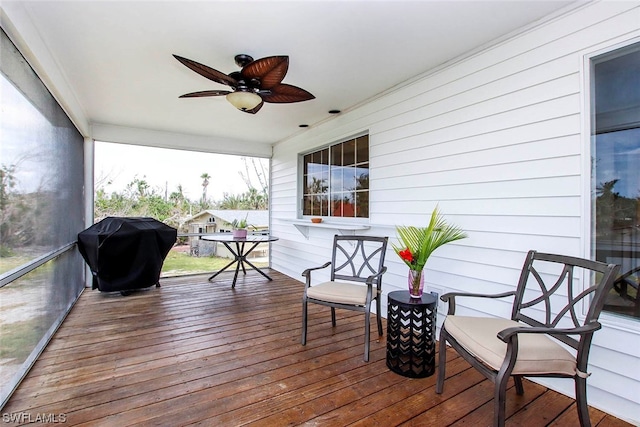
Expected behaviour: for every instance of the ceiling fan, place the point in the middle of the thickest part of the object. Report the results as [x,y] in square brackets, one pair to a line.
[257,82]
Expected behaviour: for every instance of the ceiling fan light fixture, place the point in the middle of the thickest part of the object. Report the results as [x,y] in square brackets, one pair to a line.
[244,101]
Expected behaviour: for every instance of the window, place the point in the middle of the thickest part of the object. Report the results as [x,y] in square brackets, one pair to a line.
[616,172]
[336,180]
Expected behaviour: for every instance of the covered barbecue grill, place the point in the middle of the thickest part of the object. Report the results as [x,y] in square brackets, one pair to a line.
[126,253]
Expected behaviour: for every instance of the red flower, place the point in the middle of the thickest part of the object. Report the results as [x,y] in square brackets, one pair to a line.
[406,255]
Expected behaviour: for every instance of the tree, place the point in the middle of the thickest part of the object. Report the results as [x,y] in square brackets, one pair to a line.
[205,183]
[7,183]
[140,199]
[230,201]
[254,200]
[177,197]
[138,188]
[259,172]
[204,203]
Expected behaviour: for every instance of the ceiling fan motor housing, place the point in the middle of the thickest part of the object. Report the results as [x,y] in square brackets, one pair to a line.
[243,59]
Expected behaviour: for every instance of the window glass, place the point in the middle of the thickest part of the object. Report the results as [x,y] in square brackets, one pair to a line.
[362,177]
[616,178]
[316,183]
[336,155]
[349,178]
[336,180]
[349,153]
[362,204]
[362,148]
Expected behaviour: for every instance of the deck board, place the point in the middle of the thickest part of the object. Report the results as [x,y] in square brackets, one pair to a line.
[194,352]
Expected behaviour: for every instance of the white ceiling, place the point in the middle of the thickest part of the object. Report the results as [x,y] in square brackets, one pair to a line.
[110,62]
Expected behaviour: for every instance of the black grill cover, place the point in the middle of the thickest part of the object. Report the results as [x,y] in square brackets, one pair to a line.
[126,253]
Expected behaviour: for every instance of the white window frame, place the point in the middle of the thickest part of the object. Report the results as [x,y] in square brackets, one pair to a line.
[301,184]
[609,319]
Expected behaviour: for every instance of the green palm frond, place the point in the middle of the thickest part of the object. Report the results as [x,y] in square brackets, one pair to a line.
[423,241]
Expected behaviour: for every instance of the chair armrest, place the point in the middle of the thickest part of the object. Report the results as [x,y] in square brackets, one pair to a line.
[307,272]
[506,334]
[450,298]
[371,278]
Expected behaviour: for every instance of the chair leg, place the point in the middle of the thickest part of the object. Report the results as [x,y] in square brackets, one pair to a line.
[518,382]
[333,316]
[379,316]
[442,361]
[304,321]
[581,402]
[367,334]
[500,399]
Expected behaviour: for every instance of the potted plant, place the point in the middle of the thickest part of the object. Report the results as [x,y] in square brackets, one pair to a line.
[416,244]
[240,227]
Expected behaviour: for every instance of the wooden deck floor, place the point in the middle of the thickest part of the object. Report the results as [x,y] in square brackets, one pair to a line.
[194,352]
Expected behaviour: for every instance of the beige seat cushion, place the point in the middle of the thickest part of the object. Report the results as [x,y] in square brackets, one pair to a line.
[537,353]
[339,292]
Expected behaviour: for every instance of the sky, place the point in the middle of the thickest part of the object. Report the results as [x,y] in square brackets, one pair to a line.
[116,165]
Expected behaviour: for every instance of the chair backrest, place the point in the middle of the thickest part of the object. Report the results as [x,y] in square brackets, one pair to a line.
[355,258]
[551,293]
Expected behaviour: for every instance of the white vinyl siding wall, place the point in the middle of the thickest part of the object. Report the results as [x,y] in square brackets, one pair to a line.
[497,139]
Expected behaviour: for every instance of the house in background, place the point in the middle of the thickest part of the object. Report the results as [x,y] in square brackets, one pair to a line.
[525,135]
[220,221]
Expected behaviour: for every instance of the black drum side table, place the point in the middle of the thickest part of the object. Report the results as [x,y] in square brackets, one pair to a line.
[411,334]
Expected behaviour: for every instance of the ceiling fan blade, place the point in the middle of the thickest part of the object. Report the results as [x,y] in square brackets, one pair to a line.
[270,70]
[254,109]
[284,93]
[208,72]
[203,93]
